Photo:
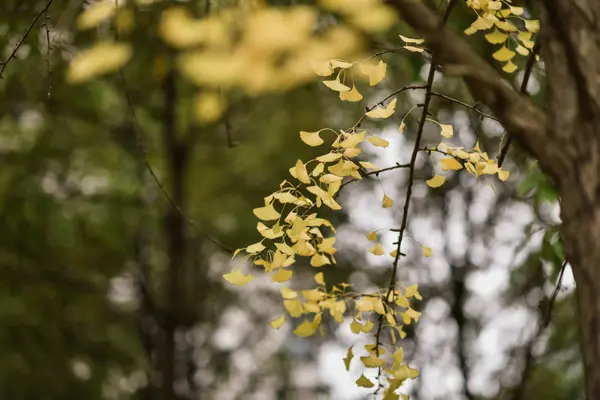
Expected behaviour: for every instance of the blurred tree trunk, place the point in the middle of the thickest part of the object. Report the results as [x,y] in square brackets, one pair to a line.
[564,138]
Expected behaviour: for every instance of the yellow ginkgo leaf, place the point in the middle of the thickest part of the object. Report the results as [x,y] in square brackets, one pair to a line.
[319,278]
[96,14]
[377,250]
[236,277]
[368,165]
[496,37]
[378,141]
[363,381]
[318,170]
[383,112]
[436,181]
[282,275]
[267,213]
[372,361]
[103,58]
[401,127]
[509,67]
[411,40]
[517,10]
[340,64]
[311,138]
[504,54]
[301,173]
[522,50]
[450,164]
[482,24]
[372,236]
[208,107]
[532,25]
[336,85]
[426,251]
[375,73]
[306,328]
[318,260]
[387,201]
[447,130]
[330,157]
[278,322]
[288,293]
[321,68]
[293,307]
[394,253]
[414,49]
[351,95]
[503,175]
[470,31]
[348,358]
[255,248]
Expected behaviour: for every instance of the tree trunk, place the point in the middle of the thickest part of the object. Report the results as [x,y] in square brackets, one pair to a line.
[564,138]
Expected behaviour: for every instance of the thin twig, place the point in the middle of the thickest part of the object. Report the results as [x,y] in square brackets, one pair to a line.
[471,107]
[22,40]
[48,50]
[544,323]
[413,159]
[526,76]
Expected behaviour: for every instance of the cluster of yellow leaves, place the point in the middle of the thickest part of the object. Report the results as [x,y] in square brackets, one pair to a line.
[505,28]
[475,161]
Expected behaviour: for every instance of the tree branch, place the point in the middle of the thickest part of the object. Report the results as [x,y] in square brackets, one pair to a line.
[520,116]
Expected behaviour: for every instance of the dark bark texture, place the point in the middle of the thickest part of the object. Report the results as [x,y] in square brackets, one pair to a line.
[564,137]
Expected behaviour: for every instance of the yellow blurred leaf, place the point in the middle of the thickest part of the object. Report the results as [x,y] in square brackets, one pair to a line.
[363,381]
[372,236]
[378,141]
[504,54]
[267,213]
[384,112]
[336,85]
[282,275]
[318,260]
[352,95]
[209,106]
[436,181]
[387,201]
[348,358]
[301,173]
[411,40]
[503,175]
[447,131]
[319,278]
[306,328]
[377,250]
[532,25]
[368,165]
[278,322]
[321,68]
[414,49]
[496,37]
[102,58]
[375,73]
[236,277]
[288,293]
[509,67]
[372,361]
[293,307]
[96,14]
[450,164]
[426,251]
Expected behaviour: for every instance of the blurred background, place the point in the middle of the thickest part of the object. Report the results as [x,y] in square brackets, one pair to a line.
[107,292]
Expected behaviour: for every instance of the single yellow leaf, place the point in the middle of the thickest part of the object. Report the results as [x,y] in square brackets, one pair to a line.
[363,381]
[236,277]
[387,201]
[102,58]
[372,236]
[436,181]
[383,112]
[426,251]
[414,49]
[375,73]
[372,361]
[318,260]
[377,250]
[352,152]
[522,50]
[482,24]
[255,248]
[267,213]
[321,68]
[450,164]
[351,95]
[282,275]
[532,25]
[301,173]
[96,14]
[278,322]
[411,40]
[293,307]
[401,127]
[504,54]
[517,10]
[470,31]
[447,130]
[503,175]
[496,37]
[336,85]
[288,293]
[320,279]
[340,64]
[209,107]
[306,328]
[413,291]
[318,169]
[378,141]
[368,165]
[509,67]
[311,138]
[330,157]
[348,358]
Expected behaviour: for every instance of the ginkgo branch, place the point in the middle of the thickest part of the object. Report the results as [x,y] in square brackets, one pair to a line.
[462,103]
[384,100]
